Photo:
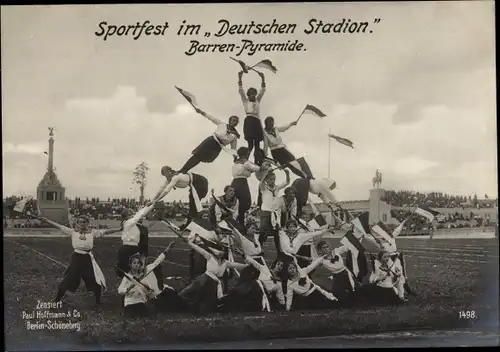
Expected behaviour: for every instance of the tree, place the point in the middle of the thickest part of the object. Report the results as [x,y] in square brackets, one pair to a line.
[141,178]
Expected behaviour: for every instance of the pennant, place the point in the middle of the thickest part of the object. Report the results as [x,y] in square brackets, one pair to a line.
[189,97]
[356,260]
[426,212]
[202,228]
[312,110]
[341,140]
[267,64]
[361,225]
[19,207]
[381,232]
[317,223]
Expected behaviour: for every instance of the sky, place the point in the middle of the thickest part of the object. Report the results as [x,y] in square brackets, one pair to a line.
[416,96]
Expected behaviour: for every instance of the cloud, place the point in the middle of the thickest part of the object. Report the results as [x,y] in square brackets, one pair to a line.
[34,149]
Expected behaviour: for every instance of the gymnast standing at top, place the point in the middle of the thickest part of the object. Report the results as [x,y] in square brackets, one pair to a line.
[252,126]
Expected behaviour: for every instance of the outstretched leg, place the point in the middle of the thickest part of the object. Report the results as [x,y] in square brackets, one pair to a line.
[193,161]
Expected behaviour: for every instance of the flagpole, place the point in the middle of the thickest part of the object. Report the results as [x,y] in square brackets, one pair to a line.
[329,150]
[249,67]
[302,113]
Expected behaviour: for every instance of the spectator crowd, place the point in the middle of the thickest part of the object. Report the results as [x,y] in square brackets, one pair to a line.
[404,198]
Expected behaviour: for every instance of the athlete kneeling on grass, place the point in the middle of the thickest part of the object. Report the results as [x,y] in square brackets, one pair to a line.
[141,284]
[302,292]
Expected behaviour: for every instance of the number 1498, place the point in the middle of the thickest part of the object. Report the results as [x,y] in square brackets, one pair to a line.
[467,314]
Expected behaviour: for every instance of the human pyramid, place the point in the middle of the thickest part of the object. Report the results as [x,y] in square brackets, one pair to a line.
[225,231]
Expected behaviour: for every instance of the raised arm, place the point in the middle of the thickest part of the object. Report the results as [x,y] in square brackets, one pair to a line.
[234,265]
[240,87]
[200,250]
[138,216]
[313,265]
[313,207]
[286,127]
[251,261]
[262,87]
[64,229]
[157,262]
[303,237]
[209,117]
[286,183]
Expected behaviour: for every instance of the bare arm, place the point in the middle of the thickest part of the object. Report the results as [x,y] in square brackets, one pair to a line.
[209,117]
[168,188]
[262,87]
[253,262]
[200,250]
[138,216]
[234,265]
[64,229]
[157,262]
[284,184]
[286,127]
[160,191]
[303,237]
[313,265]
[240,87]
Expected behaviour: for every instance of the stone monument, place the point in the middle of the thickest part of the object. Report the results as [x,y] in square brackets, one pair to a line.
[51,197]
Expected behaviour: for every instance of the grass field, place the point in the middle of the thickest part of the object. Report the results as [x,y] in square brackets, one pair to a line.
[449,276]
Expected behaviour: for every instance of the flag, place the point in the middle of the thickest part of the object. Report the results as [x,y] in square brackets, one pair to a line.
[341,140]
[362,231]
[317,222]
[361,225]
[267,64]
[381,232]
[189,97]
[426,212]
[356,261]
[244,66]
[202,228]
[311,109]
[398,229]
[19,207]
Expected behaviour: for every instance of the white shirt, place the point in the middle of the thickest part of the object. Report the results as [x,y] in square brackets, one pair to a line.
[275,142]
[222,134]
[139,294]
[244,170]
[387,278]
[233,209]
[131,234]
[269,196]
[82,241]
[215,267]
[303,290]
[251,108]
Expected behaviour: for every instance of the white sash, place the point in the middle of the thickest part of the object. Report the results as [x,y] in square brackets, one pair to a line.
[196,197]
[99,276]
[220,293]
[265,302]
